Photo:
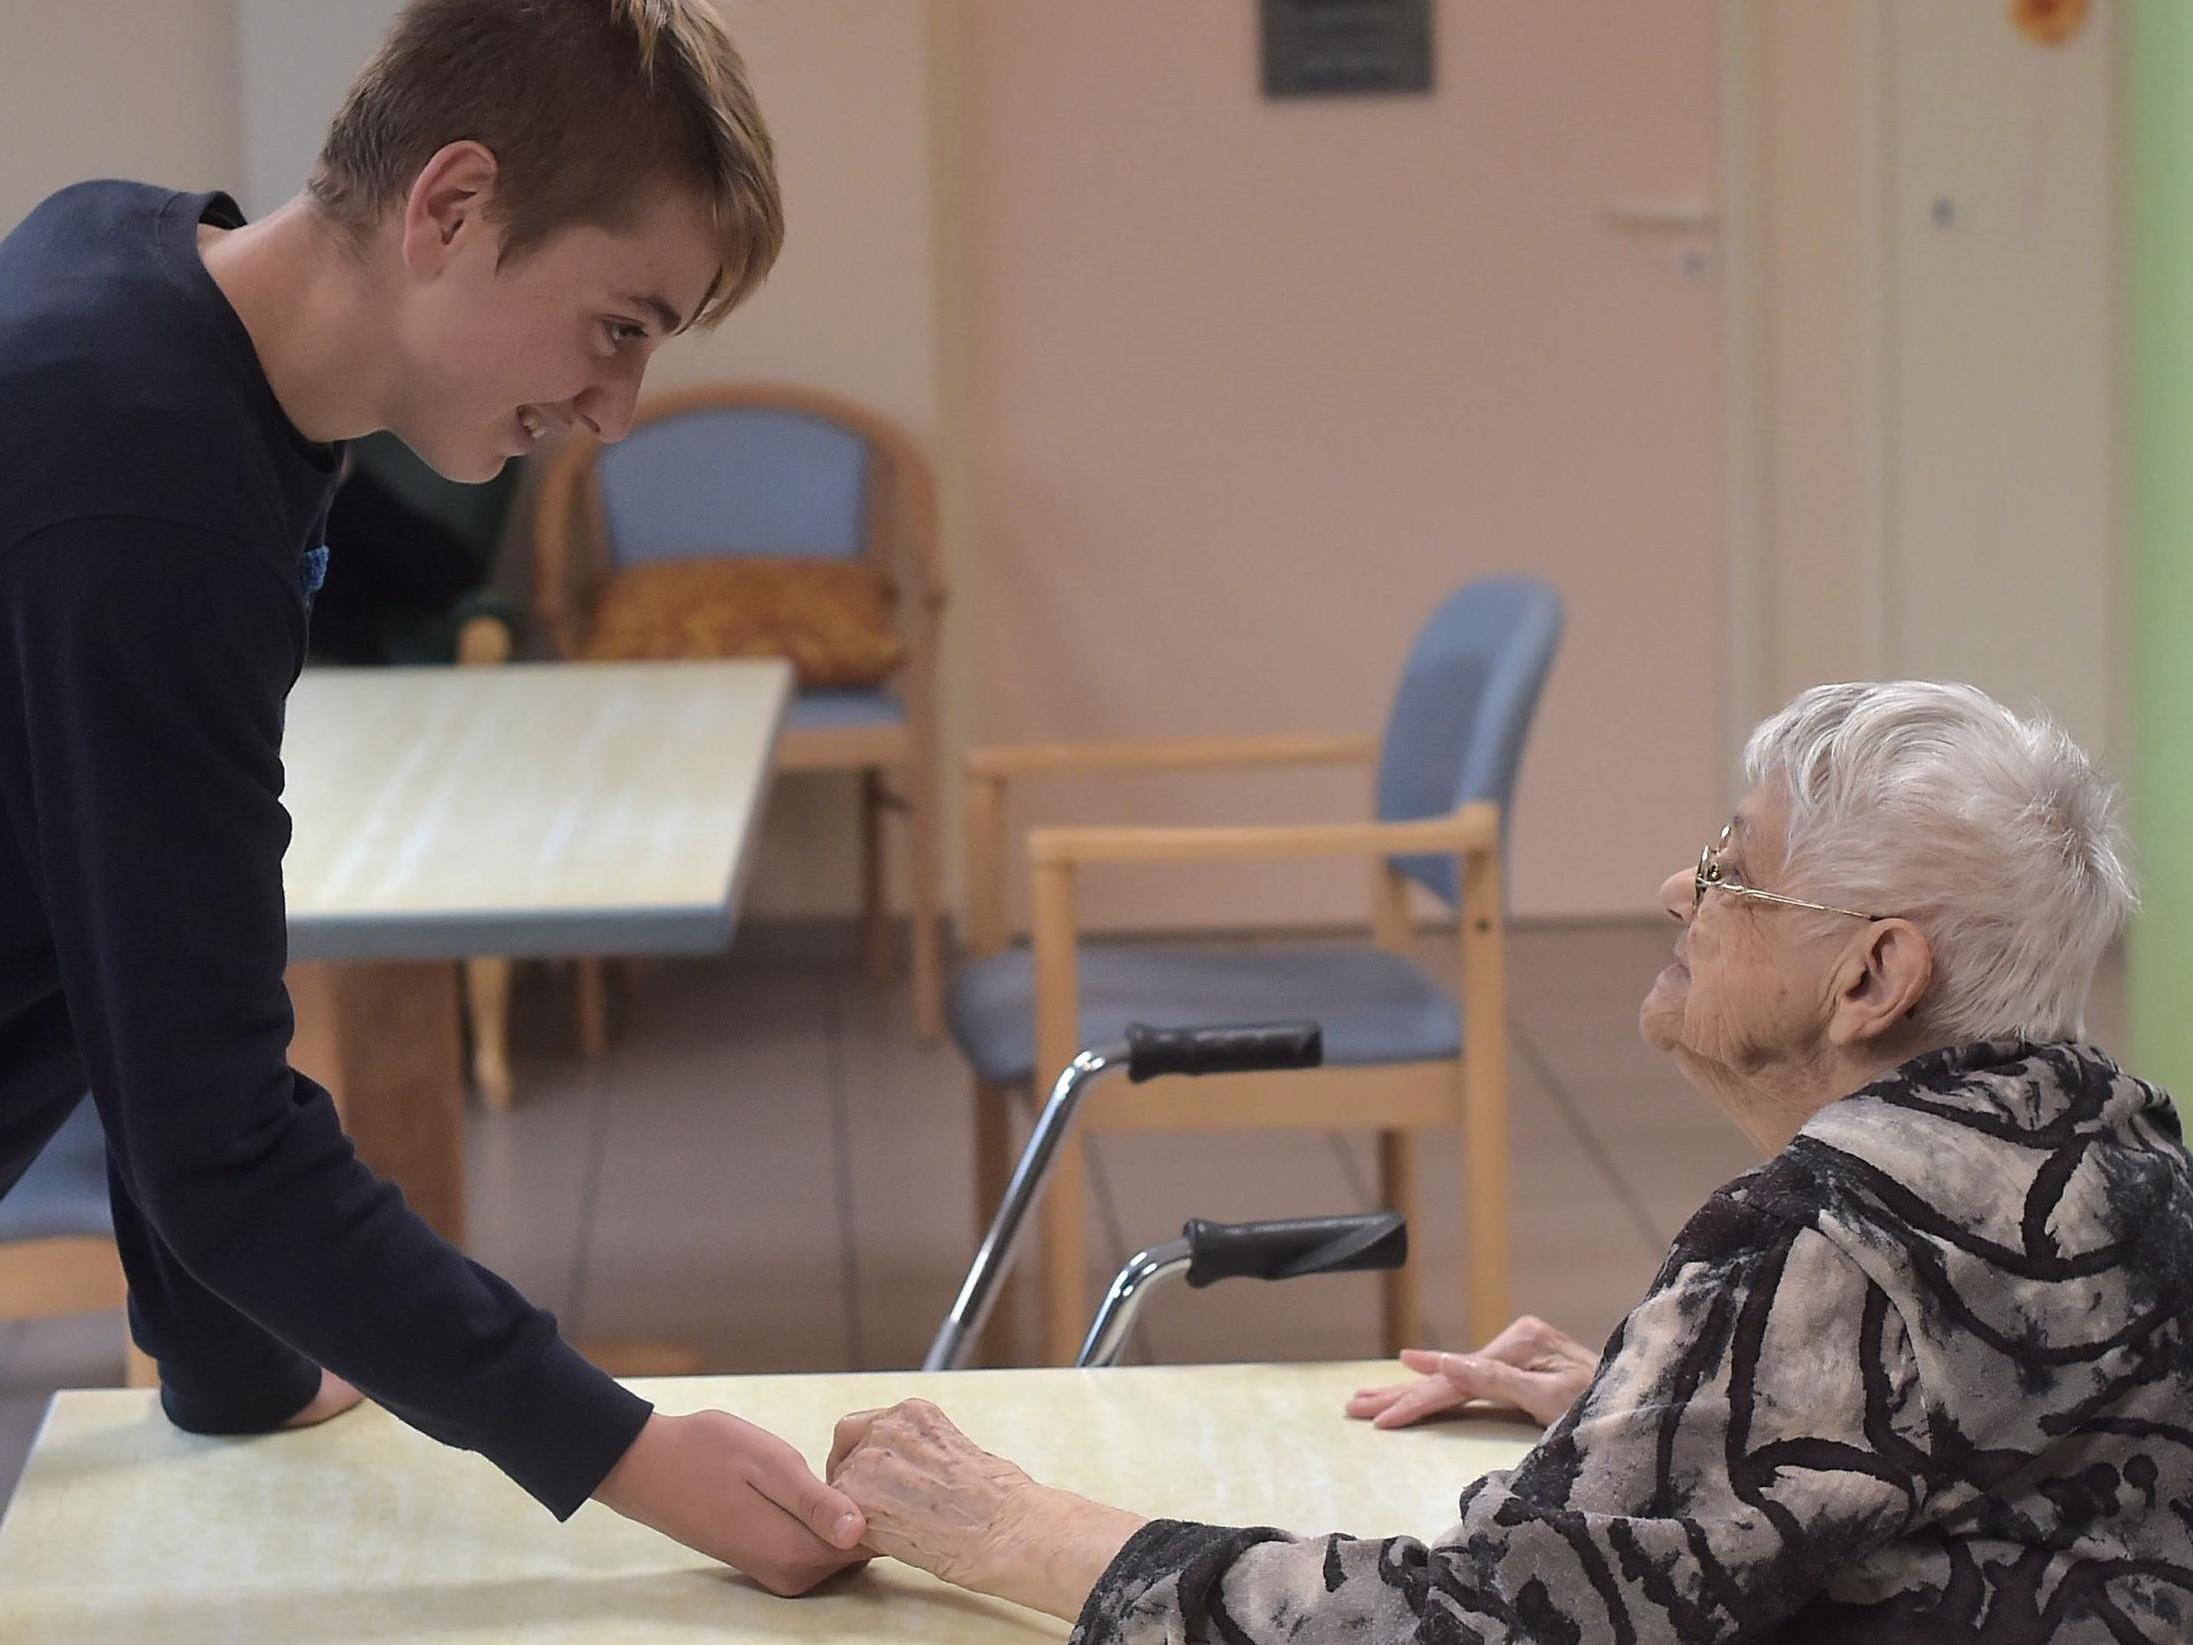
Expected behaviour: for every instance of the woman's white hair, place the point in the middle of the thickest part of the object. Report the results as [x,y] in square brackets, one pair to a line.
[1992,833]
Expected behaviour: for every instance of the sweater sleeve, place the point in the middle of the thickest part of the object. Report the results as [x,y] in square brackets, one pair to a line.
[147,666]
[1754,1429]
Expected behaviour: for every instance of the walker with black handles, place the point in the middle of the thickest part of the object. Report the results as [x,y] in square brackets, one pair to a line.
[1206,1252]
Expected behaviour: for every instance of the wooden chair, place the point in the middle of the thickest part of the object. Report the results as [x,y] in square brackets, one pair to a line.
[1394,1034]
[57,1251]
[745,469]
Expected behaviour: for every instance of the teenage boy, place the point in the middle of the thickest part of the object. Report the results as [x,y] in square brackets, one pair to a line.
[518,203]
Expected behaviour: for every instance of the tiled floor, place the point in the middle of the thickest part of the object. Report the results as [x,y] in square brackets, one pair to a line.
[770,1169]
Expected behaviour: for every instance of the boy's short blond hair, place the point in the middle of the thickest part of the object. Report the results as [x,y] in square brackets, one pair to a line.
[587,106]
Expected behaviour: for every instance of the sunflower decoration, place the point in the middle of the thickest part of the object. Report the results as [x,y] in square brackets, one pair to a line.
[2051,22]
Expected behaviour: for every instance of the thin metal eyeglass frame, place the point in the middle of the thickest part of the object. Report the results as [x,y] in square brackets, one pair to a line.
[1709,878]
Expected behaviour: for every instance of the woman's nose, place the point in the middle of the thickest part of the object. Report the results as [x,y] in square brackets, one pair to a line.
[1679,895]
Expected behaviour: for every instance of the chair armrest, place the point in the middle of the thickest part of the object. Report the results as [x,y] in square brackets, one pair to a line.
[988,768]
[488,627]
[1168,754]
[924,549]
[489,602]
[1473,828]
[1057,855]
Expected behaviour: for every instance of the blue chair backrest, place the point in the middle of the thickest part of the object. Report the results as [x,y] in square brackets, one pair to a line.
[1459,717]
[735,480]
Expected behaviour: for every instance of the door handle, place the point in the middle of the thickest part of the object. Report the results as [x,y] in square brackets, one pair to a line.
[1672,214]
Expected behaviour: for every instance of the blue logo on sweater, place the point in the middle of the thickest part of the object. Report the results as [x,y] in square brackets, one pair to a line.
[312,572]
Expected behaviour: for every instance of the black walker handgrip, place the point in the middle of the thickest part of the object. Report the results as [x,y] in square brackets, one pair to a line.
[1372,1241]
[1152,1052]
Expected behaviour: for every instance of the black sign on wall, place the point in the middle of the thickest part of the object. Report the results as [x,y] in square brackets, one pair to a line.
[1339,48]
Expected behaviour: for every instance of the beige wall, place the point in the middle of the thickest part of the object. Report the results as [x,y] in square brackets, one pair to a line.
[1256,384]
[114,88]
[846,86]
[293,64]
[1823,613]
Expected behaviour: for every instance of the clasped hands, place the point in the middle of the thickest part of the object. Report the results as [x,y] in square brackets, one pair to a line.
[907,1484]
[934,1499]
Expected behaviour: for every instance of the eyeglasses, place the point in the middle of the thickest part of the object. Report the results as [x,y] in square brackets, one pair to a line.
[1711,878]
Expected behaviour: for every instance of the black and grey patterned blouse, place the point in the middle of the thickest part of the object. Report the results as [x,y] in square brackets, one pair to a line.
[1925,1375]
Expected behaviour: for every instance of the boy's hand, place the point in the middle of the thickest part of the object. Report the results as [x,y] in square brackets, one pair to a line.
[334,1398]
[737,1493]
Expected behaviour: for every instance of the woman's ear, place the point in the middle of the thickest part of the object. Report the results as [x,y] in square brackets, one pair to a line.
[1885,975]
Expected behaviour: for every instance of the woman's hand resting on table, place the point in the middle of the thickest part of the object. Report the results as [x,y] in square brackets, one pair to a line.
[941,1503]
[1529,1367]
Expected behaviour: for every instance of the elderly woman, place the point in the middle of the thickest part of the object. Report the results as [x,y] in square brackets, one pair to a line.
[1926,1374]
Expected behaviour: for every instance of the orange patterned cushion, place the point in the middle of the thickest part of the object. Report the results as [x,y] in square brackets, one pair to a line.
[830,618]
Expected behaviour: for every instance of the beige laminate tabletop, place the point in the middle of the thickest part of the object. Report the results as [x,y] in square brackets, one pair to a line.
[566,808]
[124,1530]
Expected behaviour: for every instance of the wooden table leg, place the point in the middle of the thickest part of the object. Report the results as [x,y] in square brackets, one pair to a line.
[487,992]
[385,1039]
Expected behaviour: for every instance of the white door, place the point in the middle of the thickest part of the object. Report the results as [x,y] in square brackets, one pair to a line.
[2000,396]
[1926,487]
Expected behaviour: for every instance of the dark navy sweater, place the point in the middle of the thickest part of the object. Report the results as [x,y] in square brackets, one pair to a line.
[158,517]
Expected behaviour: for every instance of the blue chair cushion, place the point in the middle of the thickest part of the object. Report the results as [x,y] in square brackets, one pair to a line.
[843,711]
[1376,1007]
[64,1193]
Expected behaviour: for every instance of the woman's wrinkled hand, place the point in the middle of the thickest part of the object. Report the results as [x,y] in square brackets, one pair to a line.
[938,1501]
[1529,1367]
[934,1498]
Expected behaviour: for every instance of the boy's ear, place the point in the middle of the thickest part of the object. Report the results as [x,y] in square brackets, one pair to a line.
[446,208]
